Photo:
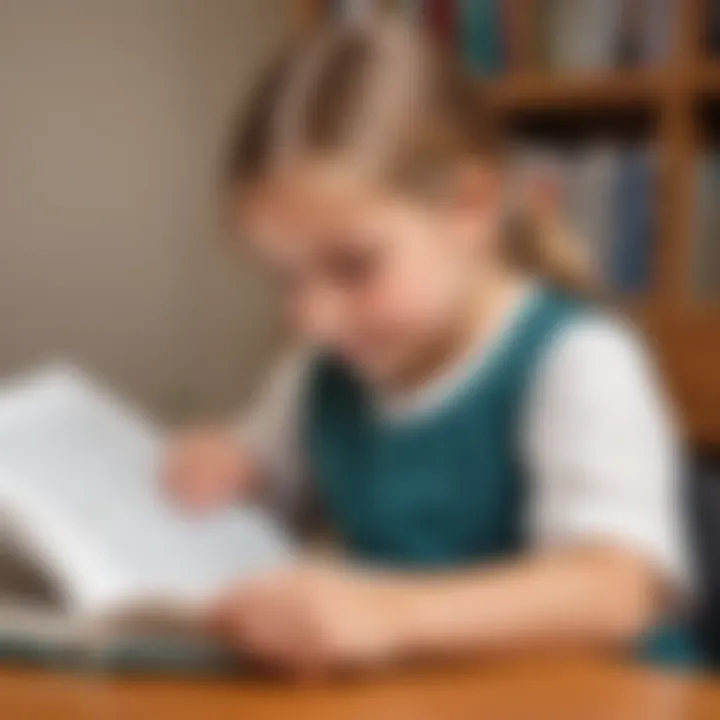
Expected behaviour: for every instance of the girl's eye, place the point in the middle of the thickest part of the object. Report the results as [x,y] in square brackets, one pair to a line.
[351,266]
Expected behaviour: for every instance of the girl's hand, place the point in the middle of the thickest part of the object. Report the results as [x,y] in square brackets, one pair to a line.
[205,468]
[312,619]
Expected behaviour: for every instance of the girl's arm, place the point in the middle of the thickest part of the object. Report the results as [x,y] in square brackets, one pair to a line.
[601,596]
[313,618]
[604,527]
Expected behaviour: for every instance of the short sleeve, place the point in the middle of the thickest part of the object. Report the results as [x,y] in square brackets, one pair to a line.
[602,450]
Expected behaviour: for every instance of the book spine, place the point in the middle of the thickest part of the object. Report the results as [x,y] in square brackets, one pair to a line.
[703,224]
[543,17]
[630,33]
[658,22]
[604,29]
[713,26]
[605,215]
[514,34]
[706,248]
[564,28]
[711,255]
[355,11]
[583,36]
[440,16]
[481,35]
[634,238]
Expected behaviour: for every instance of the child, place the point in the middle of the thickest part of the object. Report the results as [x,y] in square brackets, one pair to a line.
[492,452]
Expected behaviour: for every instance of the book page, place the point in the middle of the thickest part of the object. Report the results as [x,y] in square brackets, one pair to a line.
[78,471]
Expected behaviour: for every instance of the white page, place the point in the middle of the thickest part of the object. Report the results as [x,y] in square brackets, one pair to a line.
[79,474]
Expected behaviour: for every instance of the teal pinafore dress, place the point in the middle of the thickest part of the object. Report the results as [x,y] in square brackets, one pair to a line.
[447,488]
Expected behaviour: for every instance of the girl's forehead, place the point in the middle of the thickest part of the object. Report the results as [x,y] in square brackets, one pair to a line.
[317,199]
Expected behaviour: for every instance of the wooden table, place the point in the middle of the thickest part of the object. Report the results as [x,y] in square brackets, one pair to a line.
[515,690]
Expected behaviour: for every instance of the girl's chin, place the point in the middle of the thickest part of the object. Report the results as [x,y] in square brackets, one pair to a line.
[374,370]
[364,363]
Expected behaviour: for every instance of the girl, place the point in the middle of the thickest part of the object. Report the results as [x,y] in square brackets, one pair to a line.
[492,452]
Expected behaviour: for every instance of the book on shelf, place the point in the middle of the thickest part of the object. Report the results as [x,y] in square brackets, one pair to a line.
[629,32]
[561,35]
[635,225]
[607,195]
[712,27]
[441,18]
[481,36]
[706,240]
[540,37]
[564,42]
[592,35]
[516,22]
[97,568]
[657,35]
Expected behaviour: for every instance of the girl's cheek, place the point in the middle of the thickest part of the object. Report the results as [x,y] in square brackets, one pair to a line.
[407,303]
[424,290]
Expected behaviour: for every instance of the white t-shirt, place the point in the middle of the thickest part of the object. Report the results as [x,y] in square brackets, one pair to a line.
[600,447]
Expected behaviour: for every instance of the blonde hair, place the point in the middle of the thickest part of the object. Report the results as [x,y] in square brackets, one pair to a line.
[389,98]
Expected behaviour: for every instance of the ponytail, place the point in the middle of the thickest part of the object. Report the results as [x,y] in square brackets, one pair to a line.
[539,242]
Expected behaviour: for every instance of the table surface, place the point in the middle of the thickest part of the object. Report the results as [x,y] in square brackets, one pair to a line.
[533,689]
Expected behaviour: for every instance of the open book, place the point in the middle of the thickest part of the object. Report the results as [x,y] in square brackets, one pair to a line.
[95,565]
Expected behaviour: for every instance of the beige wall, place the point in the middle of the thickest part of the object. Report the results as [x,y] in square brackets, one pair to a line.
[111,114]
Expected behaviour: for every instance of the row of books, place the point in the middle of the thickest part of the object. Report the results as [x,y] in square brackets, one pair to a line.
[603,34]
[608,195]
[706,250]
[494,36]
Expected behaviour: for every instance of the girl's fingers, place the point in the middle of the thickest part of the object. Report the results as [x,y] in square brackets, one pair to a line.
[249,620]
[272,623]
[271,635]
[220,622]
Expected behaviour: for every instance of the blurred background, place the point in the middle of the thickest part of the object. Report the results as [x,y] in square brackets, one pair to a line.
[112,119]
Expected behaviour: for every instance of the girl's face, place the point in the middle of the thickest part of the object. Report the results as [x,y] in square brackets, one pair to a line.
[377,278]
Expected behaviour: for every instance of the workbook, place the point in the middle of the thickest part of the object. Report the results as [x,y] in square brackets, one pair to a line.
[96,565]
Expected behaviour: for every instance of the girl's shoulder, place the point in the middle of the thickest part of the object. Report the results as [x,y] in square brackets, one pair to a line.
[599,364]
[599,342]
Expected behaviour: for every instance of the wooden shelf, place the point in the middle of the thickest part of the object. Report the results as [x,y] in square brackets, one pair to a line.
[613,89]
[581,91]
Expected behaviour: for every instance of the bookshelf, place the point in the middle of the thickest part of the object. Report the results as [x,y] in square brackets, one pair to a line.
[683,328]
[534,92]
